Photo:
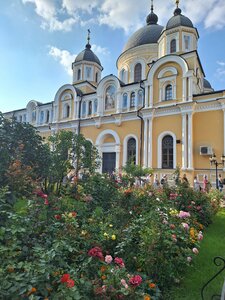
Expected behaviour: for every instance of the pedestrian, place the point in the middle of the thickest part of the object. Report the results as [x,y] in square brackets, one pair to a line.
[156,181]
[164,180]
[197,187]
[220,183]
[205,183]
[185,180]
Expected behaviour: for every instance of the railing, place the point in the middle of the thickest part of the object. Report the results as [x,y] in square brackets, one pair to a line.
[219,262]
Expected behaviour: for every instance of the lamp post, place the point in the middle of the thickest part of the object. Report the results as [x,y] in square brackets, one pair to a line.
[213,161]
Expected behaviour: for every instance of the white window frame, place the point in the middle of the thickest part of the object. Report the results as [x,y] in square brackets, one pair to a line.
[159,150]
[125,142]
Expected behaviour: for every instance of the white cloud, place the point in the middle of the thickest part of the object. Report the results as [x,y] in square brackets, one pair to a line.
[98,50]
[49,12]
[64,57]
[127,14]
[72,6]
[215,17]
[220,71]
[122,14]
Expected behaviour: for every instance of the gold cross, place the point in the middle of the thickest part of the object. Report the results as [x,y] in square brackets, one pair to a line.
[177,2]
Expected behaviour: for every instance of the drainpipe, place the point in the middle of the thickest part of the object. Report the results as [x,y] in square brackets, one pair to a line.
[142,121]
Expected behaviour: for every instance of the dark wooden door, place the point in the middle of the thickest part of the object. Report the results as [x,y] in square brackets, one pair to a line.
[108,162]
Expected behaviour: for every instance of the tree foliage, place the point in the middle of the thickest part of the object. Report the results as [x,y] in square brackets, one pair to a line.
[24,158]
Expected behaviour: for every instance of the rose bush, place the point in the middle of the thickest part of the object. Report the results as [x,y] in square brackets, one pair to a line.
[102,239]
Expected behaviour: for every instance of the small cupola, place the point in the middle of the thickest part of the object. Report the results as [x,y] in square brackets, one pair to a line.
[87,66]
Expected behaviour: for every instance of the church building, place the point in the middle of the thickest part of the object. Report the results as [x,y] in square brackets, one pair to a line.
[158,111]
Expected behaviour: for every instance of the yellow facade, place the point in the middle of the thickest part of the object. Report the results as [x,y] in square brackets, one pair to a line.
[159,111]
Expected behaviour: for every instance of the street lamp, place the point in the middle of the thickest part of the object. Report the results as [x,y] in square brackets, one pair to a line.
[213,160]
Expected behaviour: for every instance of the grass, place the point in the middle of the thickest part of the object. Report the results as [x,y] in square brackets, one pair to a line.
[203,268]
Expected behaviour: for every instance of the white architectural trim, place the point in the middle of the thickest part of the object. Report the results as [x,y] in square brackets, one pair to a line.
[190,141]
[150,143]
[159,150]
[173,70]
[132,66]
[145,143]
[109,147]
[125,141]
[100,137]
[184,141]
[167,59]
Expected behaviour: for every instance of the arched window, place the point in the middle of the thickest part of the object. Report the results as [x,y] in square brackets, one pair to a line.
[125,100]
[90,108]
[79,74]
[140,97]
[131,151]
[67,111]
[168,92]
[96,77]
[173,46]
[132,100]
[95,106]
[21,119]
[33,118]
[47,116]
[110,97]
[41,116]
[137,72]
[167,152]
[83,109]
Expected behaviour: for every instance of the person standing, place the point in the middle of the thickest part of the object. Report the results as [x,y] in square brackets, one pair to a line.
[197,187]
[156,182]
[205,183]
[220,183]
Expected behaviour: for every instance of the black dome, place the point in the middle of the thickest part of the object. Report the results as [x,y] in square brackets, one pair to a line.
[178,20]
[148,34]
[206,84]
[88,55]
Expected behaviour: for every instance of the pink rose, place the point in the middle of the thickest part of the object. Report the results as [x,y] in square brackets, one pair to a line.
[119,261]
[108,259]
[124,283]
[195,251]
[200,236]
[183,214]
[185,225]
[136,280]
[189,259]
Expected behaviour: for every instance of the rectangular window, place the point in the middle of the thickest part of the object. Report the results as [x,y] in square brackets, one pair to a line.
[88,72]
[187,43]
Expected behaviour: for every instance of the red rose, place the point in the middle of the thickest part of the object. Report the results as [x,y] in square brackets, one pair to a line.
[46,202]
[96,252]
[65,278]
[57,217]
[70,283]
[74,214]
[135,280]
[119,261]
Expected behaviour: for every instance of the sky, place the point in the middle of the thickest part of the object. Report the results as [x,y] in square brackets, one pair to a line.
[39,40]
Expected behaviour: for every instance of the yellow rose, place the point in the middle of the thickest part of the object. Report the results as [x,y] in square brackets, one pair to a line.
[113,237]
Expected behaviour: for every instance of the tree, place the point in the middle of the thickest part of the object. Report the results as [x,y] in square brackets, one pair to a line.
[70,151]
[24,157]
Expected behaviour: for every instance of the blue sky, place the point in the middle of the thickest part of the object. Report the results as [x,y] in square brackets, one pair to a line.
[41,38]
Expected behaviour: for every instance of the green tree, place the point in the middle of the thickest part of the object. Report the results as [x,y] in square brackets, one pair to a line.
[24,158]
[70,151]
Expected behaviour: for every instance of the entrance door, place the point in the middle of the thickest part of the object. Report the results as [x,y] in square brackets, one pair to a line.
[108,162]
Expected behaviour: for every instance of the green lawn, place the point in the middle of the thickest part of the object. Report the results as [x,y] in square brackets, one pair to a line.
[203,268]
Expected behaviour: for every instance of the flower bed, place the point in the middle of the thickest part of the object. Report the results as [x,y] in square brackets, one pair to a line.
[103,239]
